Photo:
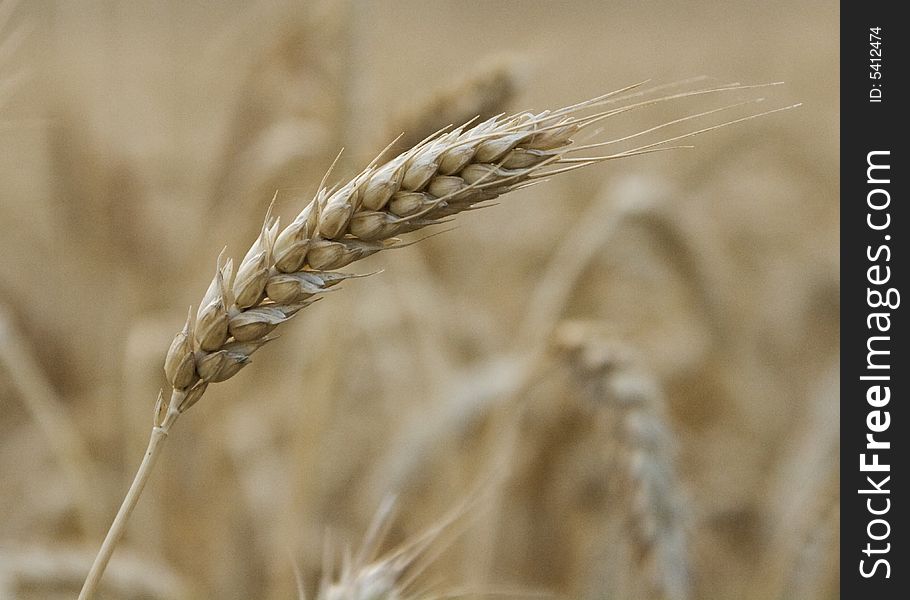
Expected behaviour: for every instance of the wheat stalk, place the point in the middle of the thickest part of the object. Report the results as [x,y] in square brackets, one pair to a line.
[10,41]
[284,271]
[50,414]
[34,571]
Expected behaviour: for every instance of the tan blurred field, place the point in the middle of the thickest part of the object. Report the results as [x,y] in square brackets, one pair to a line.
[628,373]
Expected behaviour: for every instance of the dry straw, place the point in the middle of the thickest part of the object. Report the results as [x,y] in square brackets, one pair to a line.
[287,269]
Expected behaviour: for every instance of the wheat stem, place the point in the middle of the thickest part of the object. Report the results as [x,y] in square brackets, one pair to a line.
[50,415]
[156,443]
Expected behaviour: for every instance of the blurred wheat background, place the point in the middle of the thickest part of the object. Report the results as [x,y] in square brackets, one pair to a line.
[638,368]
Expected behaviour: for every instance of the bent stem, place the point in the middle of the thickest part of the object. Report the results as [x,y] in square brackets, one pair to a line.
[156,443]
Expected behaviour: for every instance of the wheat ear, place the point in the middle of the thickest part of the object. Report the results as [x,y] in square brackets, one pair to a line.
[646,481]
[284,271]
[483,93]
[366,576]
[397,574]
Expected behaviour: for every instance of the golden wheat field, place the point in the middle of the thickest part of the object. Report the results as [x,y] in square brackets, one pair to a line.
[619,383]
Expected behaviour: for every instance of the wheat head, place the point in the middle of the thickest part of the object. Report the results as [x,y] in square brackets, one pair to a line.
[649,497]
[285,270]
[445,174]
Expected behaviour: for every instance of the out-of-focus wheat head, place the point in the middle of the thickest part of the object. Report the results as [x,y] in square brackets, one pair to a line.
[643,474]
[396,574]
[481,94]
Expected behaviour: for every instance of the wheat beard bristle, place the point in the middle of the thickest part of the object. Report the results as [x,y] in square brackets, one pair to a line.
[445,174]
